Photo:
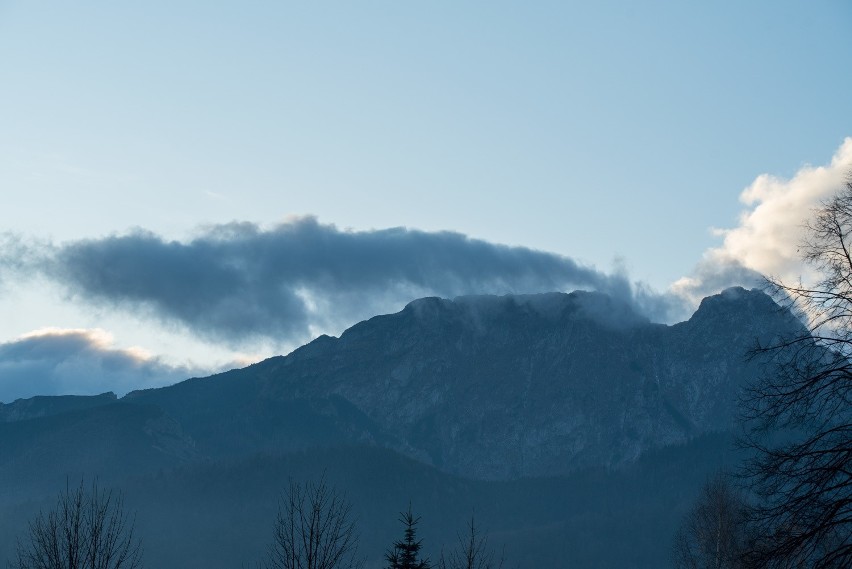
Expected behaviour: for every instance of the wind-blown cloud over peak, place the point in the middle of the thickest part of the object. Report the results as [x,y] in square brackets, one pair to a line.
[770,230]
[240,282]
[55,361]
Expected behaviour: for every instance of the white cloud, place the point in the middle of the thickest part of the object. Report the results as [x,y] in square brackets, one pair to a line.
[770,230]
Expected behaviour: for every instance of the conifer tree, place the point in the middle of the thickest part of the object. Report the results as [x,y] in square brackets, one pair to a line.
[405,553]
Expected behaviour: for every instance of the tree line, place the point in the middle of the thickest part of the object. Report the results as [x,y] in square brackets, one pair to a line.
[315,528]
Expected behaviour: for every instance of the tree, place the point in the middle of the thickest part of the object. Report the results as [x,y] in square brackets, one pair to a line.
[405,553]
[314,529]
[85,530]
[472,552]
[800,413]
[714,533]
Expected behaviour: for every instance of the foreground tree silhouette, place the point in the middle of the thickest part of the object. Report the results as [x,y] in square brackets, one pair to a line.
[714,533]
[87,529]
[314,530]
[801,411]
[405,553]
[472,552]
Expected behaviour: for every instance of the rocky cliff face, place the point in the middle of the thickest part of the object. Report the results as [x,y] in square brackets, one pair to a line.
[539,385]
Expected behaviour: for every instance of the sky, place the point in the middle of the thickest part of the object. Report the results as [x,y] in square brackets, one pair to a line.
[190,186]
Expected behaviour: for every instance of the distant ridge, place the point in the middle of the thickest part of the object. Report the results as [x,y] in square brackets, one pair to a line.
[45,406]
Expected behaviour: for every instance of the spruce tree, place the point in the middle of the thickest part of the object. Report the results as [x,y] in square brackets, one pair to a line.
[405,552]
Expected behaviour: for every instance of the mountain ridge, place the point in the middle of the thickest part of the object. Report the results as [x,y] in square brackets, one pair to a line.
[490,387]
[514,386]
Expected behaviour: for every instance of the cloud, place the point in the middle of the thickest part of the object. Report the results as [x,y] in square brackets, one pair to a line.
[239,283]
[770,229]
[79,362]
[711,275]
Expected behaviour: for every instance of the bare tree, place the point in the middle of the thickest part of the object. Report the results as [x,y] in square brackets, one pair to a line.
[472,552]
[714,533]
[86,530]
[314,530]
[801,411]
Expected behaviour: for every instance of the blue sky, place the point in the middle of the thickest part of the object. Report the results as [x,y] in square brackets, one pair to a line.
[613,134]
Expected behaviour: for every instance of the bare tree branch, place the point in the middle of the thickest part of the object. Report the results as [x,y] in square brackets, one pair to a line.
[314,529]
[472,552]
[714,533]
[800,412]
[85,530]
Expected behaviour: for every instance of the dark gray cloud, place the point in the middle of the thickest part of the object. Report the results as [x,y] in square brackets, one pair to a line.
[239,282]
[78,362]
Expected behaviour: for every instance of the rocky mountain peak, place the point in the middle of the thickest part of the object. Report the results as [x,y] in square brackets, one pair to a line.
[751,311]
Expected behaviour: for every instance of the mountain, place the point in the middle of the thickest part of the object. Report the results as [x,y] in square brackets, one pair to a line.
[572,401]
[497,387]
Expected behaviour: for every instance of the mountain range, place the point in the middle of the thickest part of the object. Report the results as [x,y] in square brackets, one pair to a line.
[547,414]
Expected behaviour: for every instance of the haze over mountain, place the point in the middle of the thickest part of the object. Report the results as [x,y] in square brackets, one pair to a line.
[475,388]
